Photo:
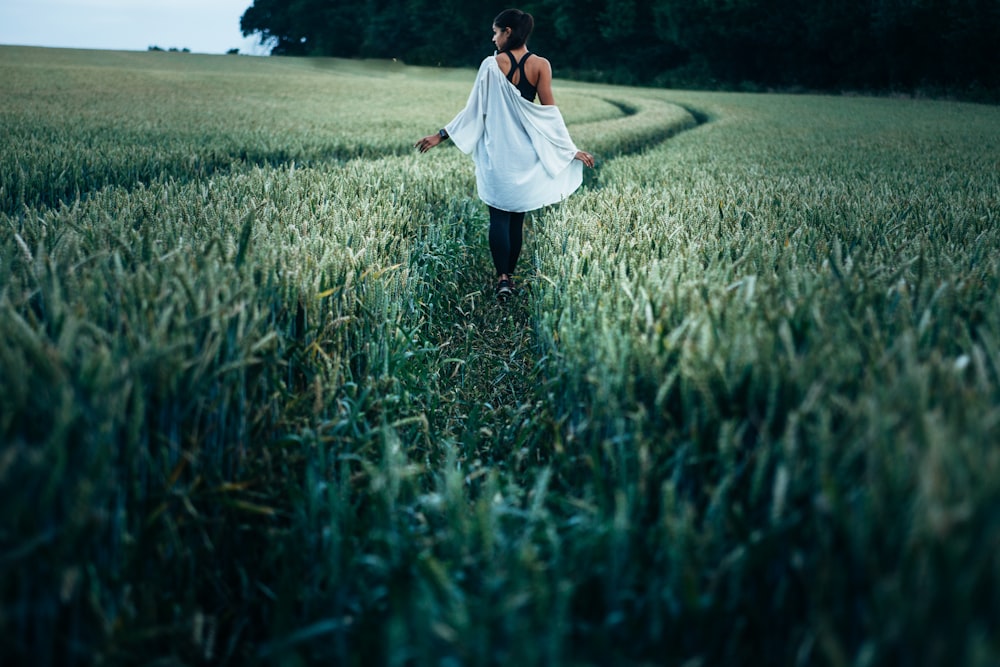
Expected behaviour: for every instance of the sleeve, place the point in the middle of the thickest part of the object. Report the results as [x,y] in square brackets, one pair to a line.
[467,127]
[549,137]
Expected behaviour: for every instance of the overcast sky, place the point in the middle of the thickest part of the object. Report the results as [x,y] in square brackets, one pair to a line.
[204,26]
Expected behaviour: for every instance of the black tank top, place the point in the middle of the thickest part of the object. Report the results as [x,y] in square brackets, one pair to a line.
[524,86]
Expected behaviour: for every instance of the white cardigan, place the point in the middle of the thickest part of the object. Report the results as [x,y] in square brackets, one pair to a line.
[522,151]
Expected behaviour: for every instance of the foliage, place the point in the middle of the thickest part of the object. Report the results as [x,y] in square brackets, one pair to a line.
[905,45]
[267,411]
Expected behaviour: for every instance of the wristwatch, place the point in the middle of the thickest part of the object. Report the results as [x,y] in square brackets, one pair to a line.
[443,133]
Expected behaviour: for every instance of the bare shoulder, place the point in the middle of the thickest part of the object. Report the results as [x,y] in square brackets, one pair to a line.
[540,63]
[503,62]
[538,69]
[541,75]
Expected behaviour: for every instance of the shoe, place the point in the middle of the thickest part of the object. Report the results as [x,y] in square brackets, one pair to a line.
[504,290]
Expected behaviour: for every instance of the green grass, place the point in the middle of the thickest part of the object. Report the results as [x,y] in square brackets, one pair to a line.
[258,405]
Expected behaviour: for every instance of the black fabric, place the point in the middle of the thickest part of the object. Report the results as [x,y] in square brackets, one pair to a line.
[524,86]
[506,238]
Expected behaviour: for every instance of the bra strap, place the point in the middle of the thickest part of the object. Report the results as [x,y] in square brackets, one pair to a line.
[513,66]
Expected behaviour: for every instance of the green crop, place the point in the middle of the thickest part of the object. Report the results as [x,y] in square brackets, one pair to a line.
[258,404]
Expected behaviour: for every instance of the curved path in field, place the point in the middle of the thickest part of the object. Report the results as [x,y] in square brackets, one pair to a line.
[497,385]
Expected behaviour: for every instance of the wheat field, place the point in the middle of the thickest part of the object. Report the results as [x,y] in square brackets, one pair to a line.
[258,404]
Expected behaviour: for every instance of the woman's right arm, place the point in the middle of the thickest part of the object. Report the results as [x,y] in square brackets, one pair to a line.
[544,85]
[544,88]
[585,157]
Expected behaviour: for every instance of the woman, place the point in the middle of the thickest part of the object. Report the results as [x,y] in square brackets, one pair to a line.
[523,153]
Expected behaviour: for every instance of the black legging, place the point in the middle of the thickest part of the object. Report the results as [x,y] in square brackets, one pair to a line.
[506,236]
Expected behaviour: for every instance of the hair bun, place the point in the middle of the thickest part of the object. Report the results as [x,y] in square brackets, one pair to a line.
[521,24]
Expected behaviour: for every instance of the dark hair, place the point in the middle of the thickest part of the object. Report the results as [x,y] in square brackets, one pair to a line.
[520,23]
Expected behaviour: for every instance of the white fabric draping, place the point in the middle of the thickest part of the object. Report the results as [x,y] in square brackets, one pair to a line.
[522,151]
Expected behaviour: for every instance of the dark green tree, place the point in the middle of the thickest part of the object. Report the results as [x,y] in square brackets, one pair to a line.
[823,44]
[308,27]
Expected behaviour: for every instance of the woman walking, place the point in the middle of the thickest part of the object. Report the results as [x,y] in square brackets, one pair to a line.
[524,156]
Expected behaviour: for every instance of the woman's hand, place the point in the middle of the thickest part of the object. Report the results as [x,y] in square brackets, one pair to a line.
[428,142]
[585,158]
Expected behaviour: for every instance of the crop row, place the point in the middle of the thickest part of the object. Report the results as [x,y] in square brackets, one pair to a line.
[775,355]
[742,411]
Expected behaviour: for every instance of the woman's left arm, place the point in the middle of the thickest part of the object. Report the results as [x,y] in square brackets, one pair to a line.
[430,141]
[465,128]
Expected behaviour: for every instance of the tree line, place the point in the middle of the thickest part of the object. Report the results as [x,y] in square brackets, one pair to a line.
[938,45]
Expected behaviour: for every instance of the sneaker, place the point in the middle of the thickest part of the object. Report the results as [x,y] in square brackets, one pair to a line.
[504,290]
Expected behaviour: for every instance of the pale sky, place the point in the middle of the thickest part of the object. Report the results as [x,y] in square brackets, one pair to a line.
[203,26]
